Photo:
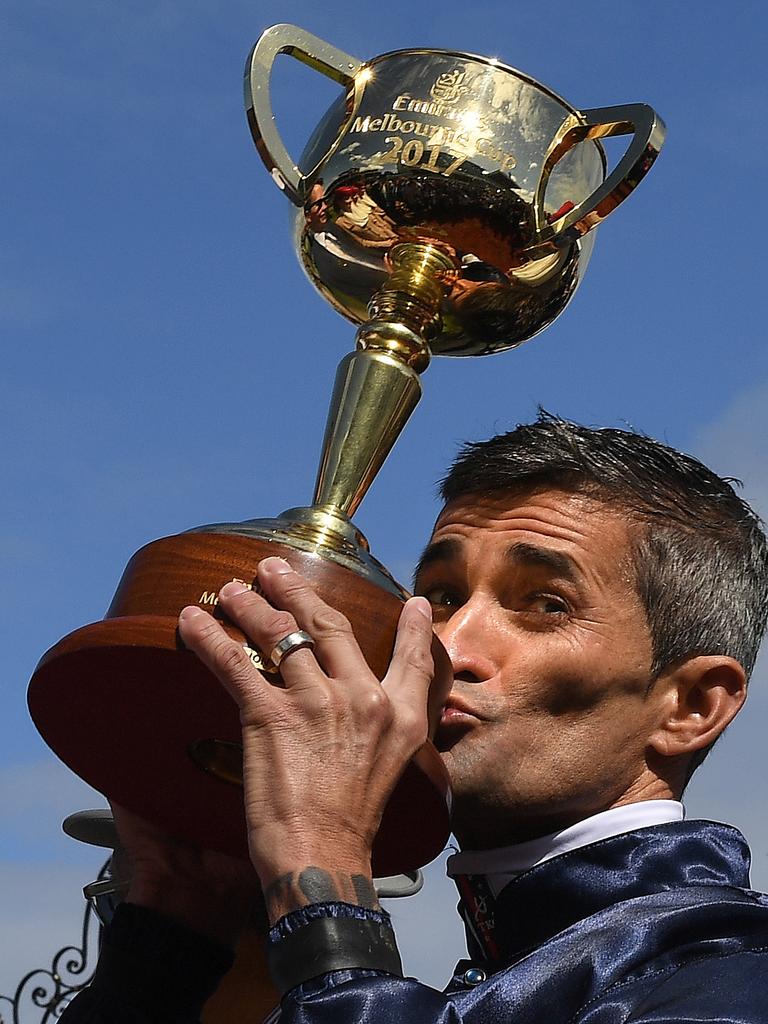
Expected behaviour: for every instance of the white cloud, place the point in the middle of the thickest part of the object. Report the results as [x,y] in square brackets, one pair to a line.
[735,444]
[41,912]
[42,871]
[34,800]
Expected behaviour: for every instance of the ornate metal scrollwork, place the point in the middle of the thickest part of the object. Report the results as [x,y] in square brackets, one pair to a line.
[42,994]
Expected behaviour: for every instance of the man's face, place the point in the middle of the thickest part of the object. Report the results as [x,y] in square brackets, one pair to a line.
[550,712]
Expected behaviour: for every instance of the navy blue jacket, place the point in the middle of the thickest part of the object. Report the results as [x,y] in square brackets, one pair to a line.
[656,925]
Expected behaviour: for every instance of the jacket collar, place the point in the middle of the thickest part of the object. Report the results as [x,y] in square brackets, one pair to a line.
[564,890]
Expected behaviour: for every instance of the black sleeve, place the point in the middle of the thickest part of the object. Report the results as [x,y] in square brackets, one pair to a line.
[151,970]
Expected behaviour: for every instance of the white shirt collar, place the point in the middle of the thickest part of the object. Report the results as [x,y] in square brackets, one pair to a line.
[501,865]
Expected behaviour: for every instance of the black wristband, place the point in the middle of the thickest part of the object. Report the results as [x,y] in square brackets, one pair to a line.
[333,944]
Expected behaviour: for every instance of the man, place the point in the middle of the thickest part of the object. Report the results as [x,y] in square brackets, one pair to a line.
[602,598]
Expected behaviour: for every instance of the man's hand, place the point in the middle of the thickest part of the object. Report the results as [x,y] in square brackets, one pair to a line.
[209,892]
[322,755]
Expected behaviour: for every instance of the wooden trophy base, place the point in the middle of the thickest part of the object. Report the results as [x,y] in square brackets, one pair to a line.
[144,722]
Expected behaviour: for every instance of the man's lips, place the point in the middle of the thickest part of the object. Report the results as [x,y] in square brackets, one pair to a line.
[457,719]
[458,712]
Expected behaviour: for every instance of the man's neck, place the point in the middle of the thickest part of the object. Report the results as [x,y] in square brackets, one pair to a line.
[501,864]
[495,829]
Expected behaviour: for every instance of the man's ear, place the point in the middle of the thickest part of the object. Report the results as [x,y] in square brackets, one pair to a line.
[701,696]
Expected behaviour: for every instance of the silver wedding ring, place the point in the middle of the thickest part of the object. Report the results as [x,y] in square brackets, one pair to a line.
[290,643]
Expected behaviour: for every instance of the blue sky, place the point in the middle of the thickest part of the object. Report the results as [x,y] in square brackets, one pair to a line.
[165,363]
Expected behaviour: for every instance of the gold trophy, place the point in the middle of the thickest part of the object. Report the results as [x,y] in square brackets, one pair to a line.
[446,203]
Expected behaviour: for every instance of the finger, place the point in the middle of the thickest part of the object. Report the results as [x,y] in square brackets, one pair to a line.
[223,656]
[266,626]
[336,648]
[411,670]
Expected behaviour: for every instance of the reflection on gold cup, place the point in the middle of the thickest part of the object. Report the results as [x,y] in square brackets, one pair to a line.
[460,152]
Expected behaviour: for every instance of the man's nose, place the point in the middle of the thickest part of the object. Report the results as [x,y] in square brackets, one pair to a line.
[468,636]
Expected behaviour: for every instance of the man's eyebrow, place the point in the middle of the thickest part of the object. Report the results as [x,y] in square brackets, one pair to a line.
[440,551]
[544,558]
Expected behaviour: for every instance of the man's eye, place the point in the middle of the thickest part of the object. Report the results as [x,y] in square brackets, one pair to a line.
[548,604]
[441,597]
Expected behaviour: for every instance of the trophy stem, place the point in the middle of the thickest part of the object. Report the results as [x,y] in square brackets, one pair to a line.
[377,387]
[373,397]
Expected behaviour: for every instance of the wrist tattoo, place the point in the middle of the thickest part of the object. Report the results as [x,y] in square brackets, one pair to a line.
[317,885]
[365,891]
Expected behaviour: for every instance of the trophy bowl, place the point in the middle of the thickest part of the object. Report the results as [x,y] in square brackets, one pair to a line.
[445,204]
[461,152]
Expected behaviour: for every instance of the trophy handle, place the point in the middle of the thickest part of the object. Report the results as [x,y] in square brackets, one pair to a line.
[636,119]
[316,54]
